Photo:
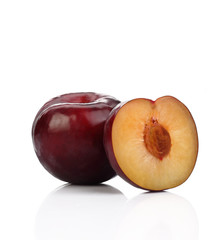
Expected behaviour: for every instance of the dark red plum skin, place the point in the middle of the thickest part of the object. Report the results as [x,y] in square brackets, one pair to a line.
[67,135]
[108,145]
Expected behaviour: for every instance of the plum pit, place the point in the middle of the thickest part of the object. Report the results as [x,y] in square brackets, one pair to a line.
[157,139]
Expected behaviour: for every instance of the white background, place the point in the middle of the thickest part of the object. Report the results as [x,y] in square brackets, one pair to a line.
[127,49]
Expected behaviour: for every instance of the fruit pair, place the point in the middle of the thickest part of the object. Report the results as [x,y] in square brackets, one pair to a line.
[86,138]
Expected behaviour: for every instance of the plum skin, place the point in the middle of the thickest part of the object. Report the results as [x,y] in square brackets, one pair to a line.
[67,135]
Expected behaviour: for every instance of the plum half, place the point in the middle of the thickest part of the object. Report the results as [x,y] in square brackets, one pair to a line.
[152,144]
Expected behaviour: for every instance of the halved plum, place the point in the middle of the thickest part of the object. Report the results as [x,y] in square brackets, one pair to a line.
[152,144]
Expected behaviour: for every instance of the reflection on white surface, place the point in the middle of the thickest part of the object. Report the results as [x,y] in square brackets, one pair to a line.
[80,212]
[158,216]
[103,212]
